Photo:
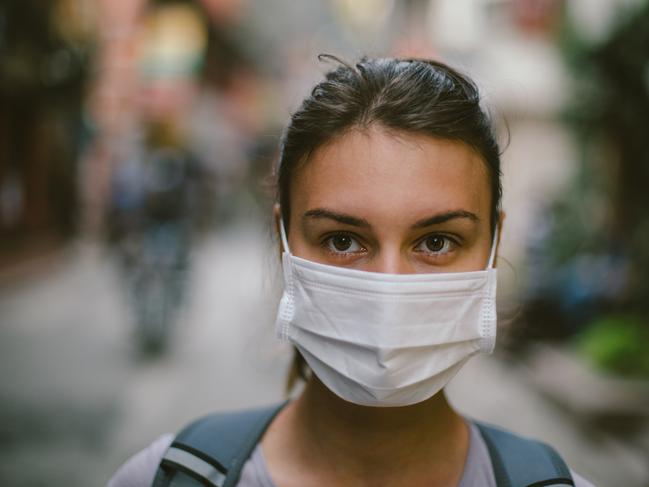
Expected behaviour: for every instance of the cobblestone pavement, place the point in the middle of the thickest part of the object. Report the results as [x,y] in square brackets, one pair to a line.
[76,399]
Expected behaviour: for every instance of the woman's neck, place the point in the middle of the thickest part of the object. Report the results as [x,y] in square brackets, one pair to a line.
[334,442]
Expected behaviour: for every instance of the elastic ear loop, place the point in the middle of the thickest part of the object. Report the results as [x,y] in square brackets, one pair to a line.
[282,233]
[492,256]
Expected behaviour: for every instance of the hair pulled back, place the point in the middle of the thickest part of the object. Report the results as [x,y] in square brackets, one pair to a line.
[410,95]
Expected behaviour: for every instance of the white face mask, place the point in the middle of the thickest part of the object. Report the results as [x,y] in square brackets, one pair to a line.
[379,339]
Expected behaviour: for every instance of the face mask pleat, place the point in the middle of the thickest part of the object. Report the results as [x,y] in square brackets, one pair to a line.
[379,336]
[386,318]
[387,368]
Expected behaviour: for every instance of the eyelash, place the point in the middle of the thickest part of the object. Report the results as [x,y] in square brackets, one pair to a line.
[327,242]
[448,240]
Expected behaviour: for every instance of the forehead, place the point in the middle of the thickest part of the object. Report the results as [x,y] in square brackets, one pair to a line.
[376,172]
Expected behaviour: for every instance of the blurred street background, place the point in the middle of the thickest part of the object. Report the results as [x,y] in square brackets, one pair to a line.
[138,266]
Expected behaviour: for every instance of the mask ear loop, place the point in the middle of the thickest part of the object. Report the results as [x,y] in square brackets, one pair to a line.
[282,233]
[492,255]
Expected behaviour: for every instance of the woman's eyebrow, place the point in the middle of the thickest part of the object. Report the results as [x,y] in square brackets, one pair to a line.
[444,217]
[318,213]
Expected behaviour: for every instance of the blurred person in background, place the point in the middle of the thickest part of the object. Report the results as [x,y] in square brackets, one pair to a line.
[167,170]
[152,218]
[389,214]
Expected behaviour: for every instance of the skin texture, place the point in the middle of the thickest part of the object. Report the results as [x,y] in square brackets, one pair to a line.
[390,202]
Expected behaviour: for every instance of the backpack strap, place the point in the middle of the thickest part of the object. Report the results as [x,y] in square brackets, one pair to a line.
[522,462]
[212,450]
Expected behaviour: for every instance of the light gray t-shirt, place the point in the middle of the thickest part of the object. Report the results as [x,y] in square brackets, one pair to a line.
[140,469]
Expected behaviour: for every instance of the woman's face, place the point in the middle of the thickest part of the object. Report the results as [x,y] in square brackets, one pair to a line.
[392,202]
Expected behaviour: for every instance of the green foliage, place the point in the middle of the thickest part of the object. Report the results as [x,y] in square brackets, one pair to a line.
[617,344]
[608,115]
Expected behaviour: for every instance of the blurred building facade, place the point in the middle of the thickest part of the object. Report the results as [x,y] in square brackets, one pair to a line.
[45,61]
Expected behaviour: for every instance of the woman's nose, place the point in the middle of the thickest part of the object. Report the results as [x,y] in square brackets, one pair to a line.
[391,262]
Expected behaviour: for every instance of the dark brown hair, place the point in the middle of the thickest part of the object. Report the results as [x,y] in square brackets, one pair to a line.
[410,95]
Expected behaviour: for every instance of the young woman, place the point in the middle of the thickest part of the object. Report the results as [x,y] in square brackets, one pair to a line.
[389,215]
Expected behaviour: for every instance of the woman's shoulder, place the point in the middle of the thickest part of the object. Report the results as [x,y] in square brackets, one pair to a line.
[139,470]
[199,435]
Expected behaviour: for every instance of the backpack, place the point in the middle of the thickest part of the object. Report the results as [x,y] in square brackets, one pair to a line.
[212,451]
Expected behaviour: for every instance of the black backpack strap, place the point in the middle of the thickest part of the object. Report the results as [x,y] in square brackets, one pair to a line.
[212,450]
[522,462]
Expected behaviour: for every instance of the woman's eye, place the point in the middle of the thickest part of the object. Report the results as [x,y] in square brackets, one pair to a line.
[436,244]
[342,243]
